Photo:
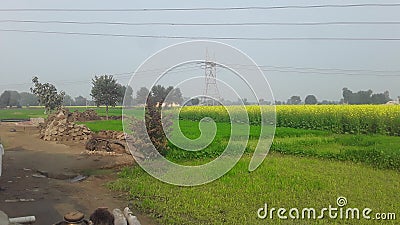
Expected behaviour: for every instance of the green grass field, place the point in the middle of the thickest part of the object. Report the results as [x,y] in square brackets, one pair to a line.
[376,150]
[305,168]
[34,112]
[281,181]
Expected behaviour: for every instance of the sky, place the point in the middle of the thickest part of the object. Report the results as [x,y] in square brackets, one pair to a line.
[292,67]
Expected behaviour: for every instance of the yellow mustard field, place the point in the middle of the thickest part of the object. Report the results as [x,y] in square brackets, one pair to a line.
[355,119]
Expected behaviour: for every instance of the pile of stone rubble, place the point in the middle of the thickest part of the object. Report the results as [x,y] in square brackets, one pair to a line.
[108,141]
[87,115]
[112,134]
[60,126]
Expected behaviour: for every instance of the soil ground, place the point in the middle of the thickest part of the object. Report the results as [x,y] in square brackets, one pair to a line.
[55,195]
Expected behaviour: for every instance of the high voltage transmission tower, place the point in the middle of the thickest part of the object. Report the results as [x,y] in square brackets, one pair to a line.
[211,92]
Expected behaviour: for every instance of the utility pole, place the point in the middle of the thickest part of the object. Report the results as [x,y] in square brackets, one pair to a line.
[210,88]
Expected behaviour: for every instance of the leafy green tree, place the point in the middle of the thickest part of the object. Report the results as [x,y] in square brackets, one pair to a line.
[174,96]
[158,94]
[310,100]
[245,101]
[5,99]
[28,99]
[80,101]
[128,95]
[294,100]
[68,100]
[380,98]
[346,95]
[15,99]
[195,101]
[152,122]
[364,97]
[106,91]
[10,98]
[141,96]
[47,95]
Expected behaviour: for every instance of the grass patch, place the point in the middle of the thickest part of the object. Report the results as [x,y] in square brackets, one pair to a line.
[306,168]
[377,150]
[21,113]
[281,181]
[34,112]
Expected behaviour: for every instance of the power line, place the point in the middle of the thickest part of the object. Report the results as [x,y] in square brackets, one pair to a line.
[331,73]
[266,68]
[65,82]
[280,69]
[124,75]
[206,8]
[205,37]
[319,69]
[206,24]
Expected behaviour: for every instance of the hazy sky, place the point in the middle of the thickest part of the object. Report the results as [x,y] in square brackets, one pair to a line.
[70,61]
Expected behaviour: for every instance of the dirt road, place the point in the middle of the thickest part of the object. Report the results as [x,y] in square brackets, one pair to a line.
[49,198]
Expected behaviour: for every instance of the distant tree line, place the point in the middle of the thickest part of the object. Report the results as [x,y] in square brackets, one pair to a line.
[12,98]
[46,94]
[356,98]
[364,97]
[107,91]
[18,99]
[159,95]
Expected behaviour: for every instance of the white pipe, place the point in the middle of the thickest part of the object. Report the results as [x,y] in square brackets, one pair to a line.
[119,218]
[1,156]
[132,220]
[25,219]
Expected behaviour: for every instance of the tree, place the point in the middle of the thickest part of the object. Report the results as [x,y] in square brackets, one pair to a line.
[106,91]
[195,101]
[128,96]
[175,96]
[154,125]
[47,95]
[80,101]
[346,95]
[141,96]
[364,97]
[262,101]
[310,100]
[10,98]
[5,99]
[15,99]
[380,98]
[68,100]
[122,90]
[294,100]
[327,102]
[28,99]
[158,94]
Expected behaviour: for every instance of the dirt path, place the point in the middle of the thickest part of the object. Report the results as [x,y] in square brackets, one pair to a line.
[54,196]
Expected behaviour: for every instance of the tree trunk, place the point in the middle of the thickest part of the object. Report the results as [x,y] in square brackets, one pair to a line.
[107,112]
